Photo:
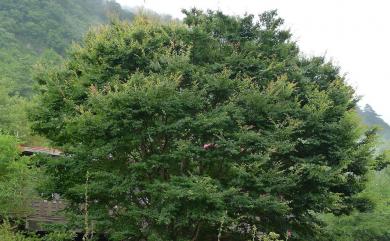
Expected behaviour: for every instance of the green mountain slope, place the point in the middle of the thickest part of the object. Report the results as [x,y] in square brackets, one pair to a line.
[371,119]
[32,31]
[28,28]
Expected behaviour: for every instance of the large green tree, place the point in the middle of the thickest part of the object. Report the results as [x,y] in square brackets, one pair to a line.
[211,128]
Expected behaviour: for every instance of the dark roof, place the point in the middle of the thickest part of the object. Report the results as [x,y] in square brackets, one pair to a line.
[30,150]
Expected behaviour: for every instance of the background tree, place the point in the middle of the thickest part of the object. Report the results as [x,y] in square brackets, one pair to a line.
[18,179]
[365,226]
[183,128]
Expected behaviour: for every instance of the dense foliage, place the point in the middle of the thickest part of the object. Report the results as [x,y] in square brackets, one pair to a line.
[374,224]
[17,179]
[202,130]
[366,226]
[14,116]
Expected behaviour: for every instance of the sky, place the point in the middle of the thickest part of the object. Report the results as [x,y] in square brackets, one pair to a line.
[354,34]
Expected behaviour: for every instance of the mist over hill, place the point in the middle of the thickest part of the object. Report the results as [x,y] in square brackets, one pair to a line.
[150,13]
[373,119]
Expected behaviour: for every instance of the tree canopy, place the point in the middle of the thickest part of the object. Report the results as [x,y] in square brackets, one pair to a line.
[211,128]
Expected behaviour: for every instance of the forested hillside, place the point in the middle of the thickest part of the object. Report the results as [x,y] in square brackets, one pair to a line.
[35,31]
[29,28]
[371,118]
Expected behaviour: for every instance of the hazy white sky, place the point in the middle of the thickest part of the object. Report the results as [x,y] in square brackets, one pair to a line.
[355,34]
